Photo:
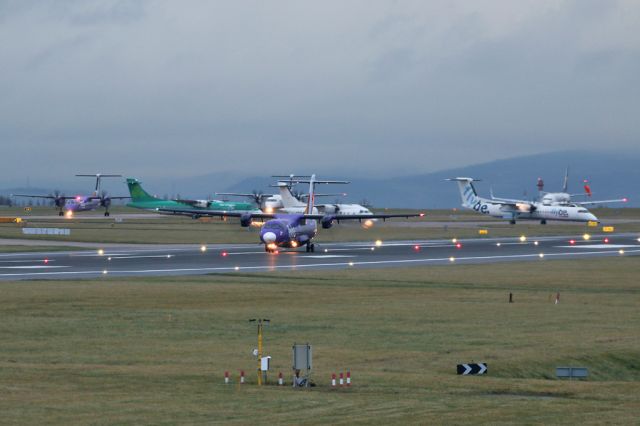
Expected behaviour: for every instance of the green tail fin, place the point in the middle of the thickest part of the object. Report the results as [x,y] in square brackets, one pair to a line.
[136,191]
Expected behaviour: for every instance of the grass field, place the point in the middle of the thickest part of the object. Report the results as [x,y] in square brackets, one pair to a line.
[153,350]
[173,229]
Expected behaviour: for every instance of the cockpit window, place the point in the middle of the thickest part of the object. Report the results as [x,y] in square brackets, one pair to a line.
[583,211]
[277,226]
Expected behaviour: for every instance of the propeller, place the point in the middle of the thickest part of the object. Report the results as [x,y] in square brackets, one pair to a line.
[105,200]
[59,198]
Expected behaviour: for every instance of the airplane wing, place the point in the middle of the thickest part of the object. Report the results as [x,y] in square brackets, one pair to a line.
[50,197]
[94,197]
[217,213]
[360,217]
[586,203]
[240,194]
[192,202]
[499,200]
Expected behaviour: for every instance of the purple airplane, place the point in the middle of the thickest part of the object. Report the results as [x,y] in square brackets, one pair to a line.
[80,203]
[289,230]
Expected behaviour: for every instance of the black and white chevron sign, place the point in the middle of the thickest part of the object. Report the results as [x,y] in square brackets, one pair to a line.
[479,368]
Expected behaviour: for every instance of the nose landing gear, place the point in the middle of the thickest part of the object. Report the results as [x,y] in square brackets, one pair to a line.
[311,248]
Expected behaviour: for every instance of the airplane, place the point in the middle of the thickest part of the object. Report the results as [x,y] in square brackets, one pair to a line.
[79,203]
[519,209]
[141,199]
[564,198]
[285,229]
[270,203]
[292,205]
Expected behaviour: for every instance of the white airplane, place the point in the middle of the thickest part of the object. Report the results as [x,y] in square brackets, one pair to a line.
[292,205]
[514,210]
[564,198]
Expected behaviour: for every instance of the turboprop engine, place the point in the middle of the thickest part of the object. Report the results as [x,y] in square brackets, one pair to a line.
[327,222]
[245,220]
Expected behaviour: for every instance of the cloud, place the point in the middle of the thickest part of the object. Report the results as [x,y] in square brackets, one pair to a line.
[198,86]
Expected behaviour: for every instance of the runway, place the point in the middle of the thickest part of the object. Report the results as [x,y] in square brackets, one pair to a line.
[162,260]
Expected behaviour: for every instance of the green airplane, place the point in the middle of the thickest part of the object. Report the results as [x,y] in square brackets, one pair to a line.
[140,199]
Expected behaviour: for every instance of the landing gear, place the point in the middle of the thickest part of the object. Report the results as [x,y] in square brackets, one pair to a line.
[60,213]
[311,248]
[512,221]
[543,222]
[106,214]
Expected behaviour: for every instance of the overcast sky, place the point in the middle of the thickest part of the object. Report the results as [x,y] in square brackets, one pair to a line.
[148,88]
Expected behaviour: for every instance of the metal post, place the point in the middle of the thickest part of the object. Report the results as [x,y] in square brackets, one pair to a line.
[260,322]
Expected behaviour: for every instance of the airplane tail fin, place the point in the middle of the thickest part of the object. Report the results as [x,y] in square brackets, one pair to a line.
[136,191]
[288,200]
[468,192]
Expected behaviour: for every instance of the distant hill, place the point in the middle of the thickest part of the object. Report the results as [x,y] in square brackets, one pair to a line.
[610,176]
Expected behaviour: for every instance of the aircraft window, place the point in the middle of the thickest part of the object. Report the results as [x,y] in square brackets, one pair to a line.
[274,225]
[583,211]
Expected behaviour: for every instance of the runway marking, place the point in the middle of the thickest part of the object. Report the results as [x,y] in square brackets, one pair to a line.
[325,256]
[137,257]
[33,267]
[312,265]
[599,246]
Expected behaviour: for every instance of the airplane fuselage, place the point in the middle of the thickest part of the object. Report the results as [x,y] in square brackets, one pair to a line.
[532,211]
[288,230]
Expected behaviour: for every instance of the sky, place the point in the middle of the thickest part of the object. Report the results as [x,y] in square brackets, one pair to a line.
[385,88]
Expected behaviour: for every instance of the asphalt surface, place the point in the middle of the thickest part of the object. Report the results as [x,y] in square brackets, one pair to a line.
[162,260]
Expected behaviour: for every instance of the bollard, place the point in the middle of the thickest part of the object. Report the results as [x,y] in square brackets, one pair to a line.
[241,377]
[226,377]
[348,378]
[333,380]
[341,379]
[280,379]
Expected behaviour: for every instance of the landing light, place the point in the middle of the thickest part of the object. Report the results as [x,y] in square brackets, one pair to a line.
[294,244]
[69,214]
[523,238]
[367,224]
[268,210]
[586,237]
[421,214]
[203,248]
[272,246]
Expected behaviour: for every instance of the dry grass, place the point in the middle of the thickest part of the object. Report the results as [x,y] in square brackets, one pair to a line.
[154,350]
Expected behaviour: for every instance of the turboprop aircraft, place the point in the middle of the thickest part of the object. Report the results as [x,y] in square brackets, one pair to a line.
[78,203]
[564,198]
[514,210]
[288,230]
[292,205]
[141,199]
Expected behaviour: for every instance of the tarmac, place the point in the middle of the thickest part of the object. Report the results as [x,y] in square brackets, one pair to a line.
[136,260]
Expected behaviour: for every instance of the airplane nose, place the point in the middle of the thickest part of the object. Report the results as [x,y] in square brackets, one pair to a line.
[269,237]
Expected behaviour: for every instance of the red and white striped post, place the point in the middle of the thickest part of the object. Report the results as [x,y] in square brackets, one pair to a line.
[226,377]
[241,377]
[348,378]
[333,381]
[280,379]
[341,379]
